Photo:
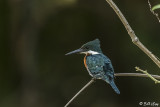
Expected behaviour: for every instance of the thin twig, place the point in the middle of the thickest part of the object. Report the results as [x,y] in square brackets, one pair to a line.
[88,84]
[156,14]
[149,75]
[117,75]
[134,38]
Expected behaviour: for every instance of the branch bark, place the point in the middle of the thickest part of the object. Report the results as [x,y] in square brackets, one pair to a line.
[131,33]
[135,75]
[117,75]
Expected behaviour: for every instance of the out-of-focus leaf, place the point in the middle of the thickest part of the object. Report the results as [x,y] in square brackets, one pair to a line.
[156,7]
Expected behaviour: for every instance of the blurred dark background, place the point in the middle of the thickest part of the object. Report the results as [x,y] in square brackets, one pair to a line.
[36,34]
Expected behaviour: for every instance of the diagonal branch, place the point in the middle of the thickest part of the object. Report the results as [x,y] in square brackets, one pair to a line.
[88,84]
[116,74]
[149,75]
[131,33]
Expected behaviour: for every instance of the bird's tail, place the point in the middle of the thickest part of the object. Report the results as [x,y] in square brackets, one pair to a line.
[113,85]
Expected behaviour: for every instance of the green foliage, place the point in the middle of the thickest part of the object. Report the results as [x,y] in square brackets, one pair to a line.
[156,7]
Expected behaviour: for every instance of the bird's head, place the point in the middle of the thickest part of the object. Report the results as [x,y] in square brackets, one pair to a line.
[92,47]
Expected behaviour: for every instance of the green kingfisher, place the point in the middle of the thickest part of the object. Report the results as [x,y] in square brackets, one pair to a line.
[98,65]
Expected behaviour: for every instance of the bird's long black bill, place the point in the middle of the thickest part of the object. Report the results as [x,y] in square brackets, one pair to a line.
[75,51]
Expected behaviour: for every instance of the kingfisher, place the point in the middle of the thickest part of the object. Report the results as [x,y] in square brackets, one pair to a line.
[97,64]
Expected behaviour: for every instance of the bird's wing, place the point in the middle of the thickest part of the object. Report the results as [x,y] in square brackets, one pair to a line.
[108,68]
[95,64]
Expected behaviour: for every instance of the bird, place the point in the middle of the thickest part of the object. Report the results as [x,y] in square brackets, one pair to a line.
[98,65]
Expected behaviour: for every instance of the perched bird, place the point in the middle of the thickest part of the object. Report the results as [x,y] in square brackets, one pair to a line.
[98,65]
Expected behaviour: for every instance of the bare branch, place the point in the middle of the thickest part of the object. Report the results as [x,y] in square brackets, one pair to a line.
[156,14]
[117,75]
[131,33]
[135,75]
